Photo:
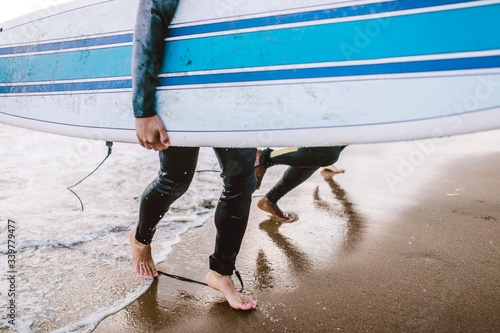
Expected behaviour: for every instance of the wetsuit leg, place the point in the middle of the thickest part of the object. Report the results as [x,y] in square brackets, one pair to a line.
[292,178]
[301,157]
[231,215]
[303,163]
[153,18]
[177,167]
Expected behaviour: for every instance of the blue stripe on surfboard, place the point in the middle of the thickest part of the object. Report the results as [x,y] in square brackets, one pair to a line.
[273,75]
[87,64]
[65,87]
[337,71]
[71,44]
[453,31]
[314,15]
[277,47]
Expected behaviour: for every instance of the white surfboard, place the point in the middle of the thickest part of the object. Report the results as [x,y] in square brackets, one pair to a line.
[261,73]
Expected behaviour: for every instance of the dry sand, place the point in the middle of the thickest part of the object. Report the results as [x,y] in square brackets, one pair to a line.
[407,240]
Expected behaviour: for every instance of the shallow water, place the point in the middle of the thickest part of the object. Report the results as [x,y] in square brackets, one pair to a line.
[72,266]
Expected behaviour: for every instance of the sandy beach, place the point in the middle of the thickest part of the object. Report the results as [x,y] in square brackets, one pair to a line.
[406,240]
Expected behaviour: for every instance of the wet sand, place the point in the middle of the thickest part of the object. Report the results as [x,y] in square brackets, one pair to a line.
[407,240]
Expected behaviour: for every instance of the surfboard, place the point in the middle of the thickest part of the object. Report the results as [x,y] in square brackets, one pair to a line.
[261,73]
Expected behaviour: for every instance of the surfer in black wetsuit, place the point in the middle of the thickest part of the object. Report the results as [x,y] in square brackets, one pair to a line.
[303,162]
[177,164]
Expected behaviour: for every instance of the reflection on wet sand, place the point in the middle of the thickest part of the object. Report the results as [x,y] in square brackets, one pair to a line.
[177,305]
[297,258]
[153,310]
[145,312]
[263,274]
[355,223]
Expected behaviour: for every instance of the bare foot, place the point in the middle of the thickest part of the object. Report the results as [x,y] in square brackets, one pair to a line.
[334,169]
[225,285]
[142,260]
[266,205]
[260,170]
[330,171]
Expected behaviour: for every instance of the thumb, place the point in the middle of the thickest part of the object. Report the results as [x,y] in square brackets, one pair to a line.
[165,140]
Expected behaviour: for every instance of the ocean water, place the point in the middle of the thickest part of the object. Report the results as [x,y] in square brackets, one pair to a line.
[72,266]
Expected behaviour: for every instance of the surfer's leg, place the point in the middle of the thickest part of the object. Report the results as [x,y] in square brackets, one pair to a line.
[292,178]
[301,157]
[303,163]
[177,167]
[296,157]
[153,18]
[231,218]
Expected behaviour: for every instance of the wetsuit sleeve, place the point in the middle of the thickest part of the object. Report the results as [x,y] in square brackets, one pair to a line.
[153,19]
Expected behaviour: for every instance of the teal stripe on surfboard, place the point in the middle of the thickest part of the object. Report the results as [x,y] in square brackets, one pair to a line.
[409,35]
[92,64]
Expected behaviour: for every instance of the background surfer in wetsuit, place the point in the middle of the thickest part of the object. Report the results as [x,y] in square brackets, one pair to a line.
[177,164]
[302,162]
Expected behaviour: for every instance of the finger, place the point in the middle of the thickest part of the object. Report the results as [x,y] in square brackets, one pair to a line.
[160,146]
[151,143]
[161,143]
[146,143]
[164,139]
[149,146]
[157,146]
[141,142]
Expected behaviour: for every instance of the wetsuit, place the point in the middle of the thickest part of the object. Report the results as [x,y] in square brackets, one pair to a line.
[303,163]
[177,164]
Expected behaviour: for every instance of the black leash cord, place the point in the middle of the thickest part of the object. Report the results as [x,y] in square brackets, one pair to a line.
[239,278]
[110,146]
[181,278]
[173,276]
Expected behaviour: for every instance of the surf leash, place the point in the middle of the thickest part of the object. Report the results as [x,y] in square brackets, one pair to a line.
[110,149]
[173,276]
[181,278]
[208,170]
[239,278]
[185,279]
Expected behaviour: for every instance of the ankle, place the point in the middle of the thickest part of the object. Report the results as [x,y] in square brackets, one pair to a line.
[265,157]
